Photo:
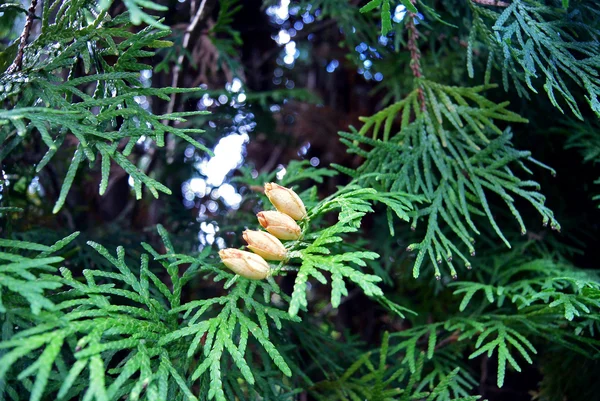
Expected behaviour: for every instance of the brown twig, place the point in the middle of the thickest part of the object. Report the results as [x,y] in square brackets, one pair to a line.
[415,53]
[448,340]
[497,3]
[186,41]
[275,153]
[484,375]
[18,63]
[177,73]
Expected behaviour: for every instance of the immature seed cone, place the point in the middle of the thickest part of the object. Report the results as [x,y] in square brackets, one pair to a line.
[285,200]
[280,225]
[246,264]
[265,245]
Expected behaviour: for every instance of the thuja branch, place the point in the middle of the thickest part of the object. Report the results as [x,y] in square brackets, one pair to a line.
[186,41]
[415,53]
[177,70]
[18,63]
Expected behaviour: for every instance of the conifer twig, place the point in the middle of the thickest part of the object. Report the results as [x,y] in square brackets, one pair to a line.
[18,63]
[415,53]
[497,3]
[177,72]
[186,41]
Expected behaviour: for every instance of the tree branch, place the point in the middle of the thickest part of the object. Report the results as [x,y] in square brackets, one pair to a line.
[415,53]
[186,41]
[18,63]
[170,148]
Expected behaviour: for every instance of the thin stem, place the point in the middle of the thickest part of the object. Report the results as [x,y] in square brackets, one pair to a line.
[186,41]
[415,53]
[18,63]
[177,72]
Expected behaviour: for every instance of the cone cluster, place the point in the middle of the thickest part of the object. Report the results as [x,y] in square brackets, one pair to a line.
[280,225]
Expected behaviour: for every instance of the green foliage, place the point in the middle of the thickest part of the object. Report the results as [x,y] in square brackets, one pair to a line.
[447,157]
[444,368]
[535,43]
[446,108]
[26,273]
[386,17]
[91,326]
[378,382]
[166,320]
[225,39]
[542,285]
[137,13]
[102,111]
[296,171]
[147,326]
[584,137]
[353,203]
[527,301]
[500,338]
[232,322]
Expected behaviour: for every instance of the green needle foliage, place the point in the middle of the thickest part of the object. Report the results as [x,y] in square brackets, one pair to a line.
[137,14]
[376,383]
[26,273]
[585,139]
[386,15]
[146,330]
[455,156]
[353,203]
[526,301]
[543,44]
[101,109]
[109,294]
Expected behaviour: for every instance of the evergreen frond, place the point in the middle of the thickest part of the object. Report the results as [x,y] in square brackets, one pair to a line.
[456,176]
[542,44]
[585,138]
[386,16]
[92,327]
[371,378]
[543,285]
[317,257]
[328,306]
[230,329]
[527,301]
[26,274]
[137,13]
[105,112]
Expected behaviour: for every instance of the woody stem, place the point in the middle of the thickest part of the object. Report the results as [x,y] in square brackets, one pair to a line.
[415,53]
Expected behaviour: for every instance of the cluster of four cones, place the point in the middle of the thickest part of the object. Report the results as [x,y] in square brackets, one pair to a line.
[280,224]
